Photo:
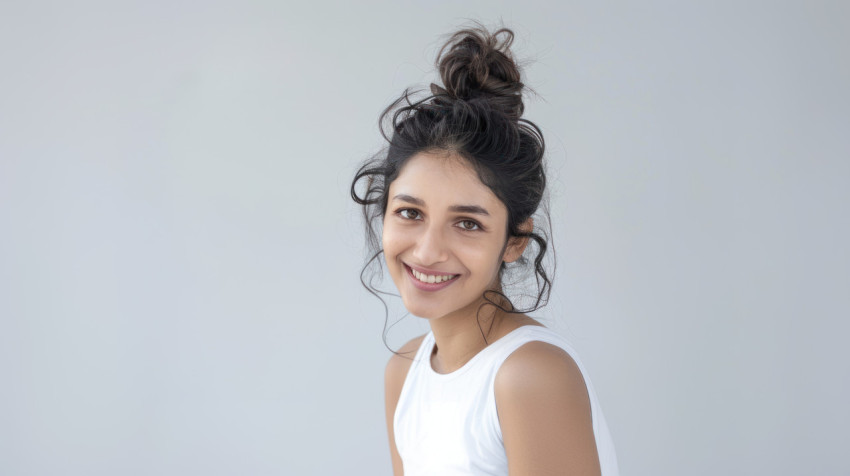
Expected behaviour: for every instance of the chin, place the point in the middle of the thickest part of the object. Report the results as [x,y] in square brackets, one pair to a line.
[424,312]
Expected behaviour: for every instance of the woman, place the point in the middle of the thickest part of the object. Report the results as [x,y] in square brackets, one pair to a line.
[489,390]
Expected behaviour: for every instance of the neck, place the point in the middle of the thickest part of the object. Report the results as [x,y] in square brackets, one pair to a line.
[459,336]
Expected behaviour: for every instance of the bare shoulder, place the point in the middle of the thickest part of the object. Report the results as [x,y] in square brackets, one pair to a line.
[544,413]
[539,364]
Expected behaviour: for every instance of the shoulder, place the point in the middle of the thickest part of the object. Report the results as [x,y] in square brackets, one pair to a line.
[539,364]
[399,363]
[544,412]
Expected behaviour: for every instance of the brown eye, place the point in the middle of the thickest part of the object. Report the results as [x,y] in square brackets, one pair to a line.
[409,213]
[469,225]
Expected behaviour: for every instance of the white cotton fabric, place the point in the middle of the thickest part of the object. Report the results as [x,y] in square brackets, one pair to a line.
[447,424]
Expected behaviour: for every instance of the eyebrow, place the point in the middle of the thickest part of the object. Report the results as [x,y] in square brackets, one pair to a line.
[473,209]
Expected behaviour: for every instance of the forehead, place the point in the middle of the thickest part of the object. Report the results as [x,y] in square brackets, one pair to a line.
[443,178]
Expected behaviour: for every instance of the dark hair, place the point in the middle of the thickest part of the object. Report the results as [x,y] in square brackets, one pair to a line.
[476,114]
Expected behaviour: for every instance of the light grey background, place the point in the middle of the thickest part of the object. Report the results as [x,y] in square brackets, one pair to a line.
[179,255]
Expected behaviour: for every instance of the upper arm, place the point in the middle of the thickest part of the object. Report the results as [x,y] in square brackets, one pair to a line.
[544,413]
[394,376]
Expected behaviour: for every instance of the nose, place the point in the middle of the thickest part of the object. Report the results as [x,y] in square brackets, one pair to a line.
[431,247]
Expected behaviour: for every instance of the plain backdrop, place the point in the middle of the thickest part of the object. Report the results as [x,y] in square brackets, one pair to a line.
[179,255]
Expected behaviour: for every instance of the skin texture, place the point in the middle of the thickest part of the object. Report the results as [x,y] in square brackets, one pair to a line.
[430,224]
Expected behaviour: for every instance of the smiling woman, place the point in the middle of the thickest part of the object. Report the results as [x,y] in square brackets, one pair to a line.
[440,235]
[489,390]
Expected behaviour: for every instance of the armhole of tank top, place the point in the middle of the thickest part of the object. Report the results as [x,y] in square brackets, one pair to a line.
[417,358]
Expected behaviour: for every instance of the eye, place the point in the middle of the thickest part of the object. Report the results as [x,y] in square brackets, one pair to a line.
[409,213]
[469,225]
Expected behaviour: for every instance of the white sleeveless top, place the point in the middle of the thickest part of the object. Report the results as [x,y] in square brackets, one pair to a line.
[447,424]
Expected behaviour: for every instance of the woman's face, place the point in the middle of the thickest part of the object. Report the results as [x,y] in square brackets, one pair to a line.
[444,235]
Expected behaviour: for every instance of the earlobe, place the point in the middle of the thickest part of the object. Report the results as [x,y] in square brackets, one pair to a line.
[516,244]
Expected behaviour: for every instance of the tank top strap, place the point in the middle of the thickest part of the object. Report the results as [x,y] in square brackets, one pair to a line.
[509,343]
[421,362]
[425,348]
[525,334]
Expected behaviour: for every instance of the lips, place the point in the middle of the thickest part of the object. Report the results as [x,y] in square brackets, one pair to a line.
[430,280]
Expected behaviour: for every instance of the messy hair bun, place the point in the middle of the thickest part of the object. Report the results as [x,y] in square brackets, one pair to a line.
[474,64]
[477,115]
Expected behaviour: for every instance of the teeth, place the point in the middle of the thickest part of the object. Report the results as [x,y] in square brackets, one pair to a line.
[427,278]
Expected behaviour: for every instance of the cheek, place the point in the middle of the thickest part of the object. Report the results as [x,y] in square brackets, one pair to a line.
[384,240]
[394,239]
[483,257]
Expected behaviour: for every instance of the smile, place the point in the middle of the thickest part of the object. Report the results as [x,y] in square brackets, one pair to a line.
[430,282]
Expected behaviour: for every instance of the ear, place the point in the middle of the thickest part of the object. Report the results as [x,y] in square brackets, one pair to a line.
[516,245]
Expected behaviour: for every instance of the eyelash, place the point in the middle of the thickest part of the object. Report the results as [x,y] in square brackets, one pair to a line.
[404,211]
